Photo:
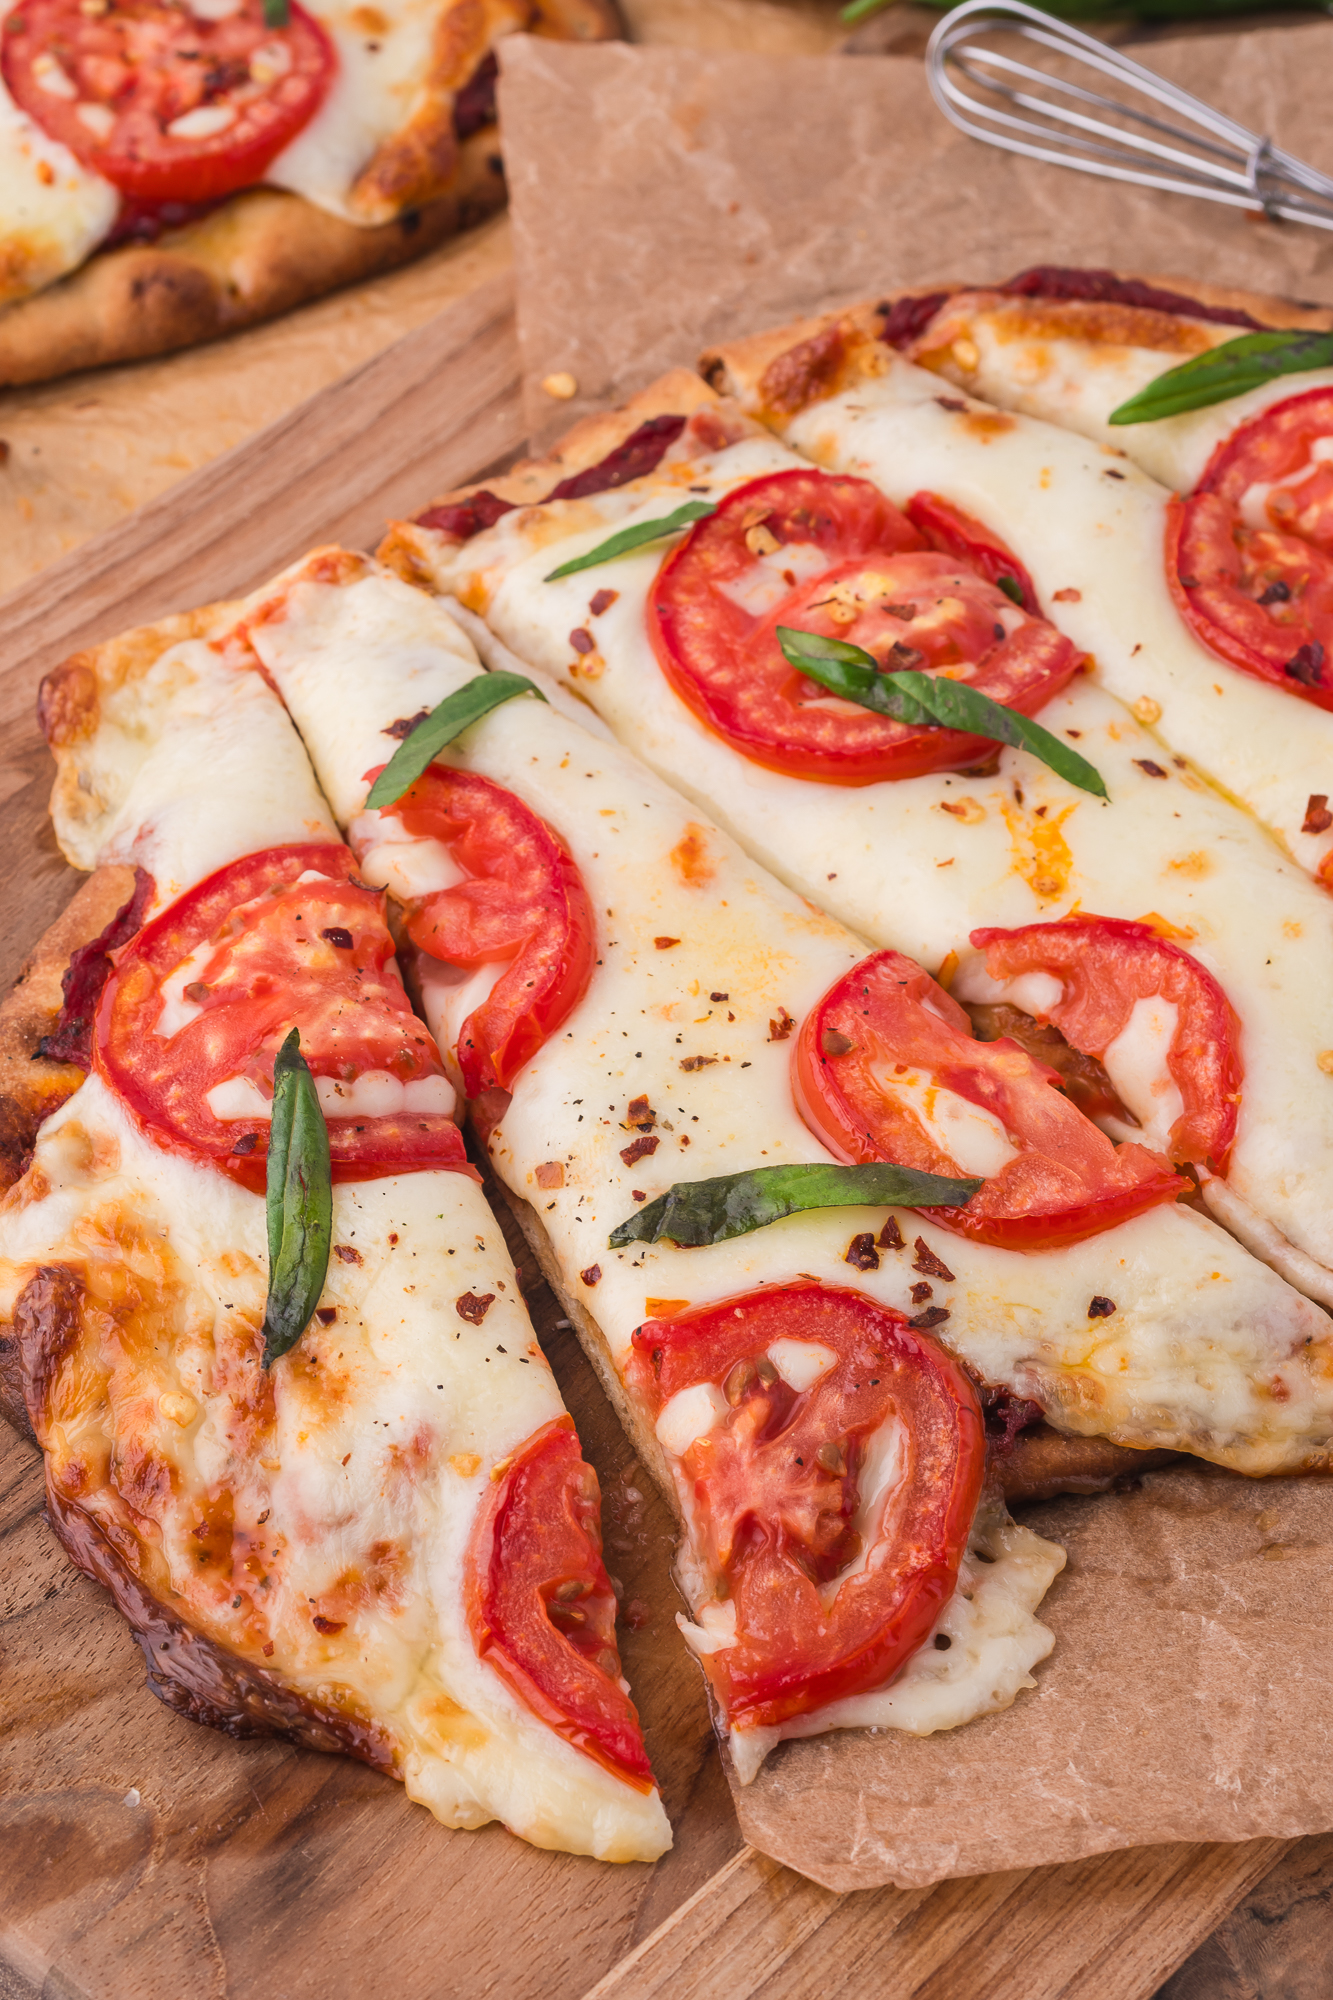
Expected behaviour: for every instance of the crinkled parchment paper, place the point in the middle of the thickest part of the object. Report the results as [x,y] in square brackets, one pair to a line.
[663,199]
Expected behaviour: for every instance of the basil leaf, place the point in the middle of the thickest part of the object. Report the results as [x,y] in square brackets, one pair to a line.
[457,712]
[277,14]
[1226,371]
[300,1202]
[694,1213]
[626,539]
[930,701]
[1012,589]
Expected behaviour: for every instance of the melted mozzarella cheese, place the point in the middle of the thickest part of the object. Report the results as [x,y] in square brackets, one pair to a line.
[1136,1062]
[974,1138]
[1145,1376]
[690,1415]
[969,851]
[801,1363]
[383,1440]
[53,211]
[192,766]
[1077,383]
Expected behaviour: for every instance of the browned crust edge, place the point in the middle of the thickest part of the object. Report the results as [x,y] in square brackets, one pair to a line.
[200,1679]
[33,1086]
[738,366]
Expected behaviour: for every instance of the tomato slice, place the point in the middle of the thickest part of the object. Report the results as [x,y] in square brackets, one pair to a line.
[886,1068]
[165,104]
[205,994]
[1249,554]
[833,556]
[837,1550]
[523,900]
[954,533]
[540,1604]
[1116,979]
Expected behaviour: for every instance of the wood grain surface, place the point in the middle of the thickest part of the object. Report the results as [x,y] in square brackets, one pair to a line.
[142,1858]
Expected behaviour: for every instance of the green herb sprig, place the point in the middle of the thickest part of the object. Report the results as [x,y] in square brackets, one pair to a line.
[695,1213]
[626,539]
[300,1202]
[930,700]
[1226,371]
[457,712]
[277,14]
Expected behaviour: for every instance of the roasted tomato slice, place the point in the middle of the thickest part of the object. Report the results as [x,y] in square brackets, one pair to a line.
[886,1068]
[1249,554]
[833,556]
[200,1001]
[167,105]
[830,1459]
[522,900]
[1159,1024]
[540,1605]
[953,533]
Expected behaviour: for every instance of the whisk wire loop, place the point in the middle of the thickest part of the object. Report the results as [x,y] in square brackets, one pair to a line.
[1217,160]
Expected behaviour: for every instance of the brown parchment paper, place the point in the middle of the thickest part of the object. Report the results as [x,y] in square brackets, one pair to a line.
[662,199]
[666,198]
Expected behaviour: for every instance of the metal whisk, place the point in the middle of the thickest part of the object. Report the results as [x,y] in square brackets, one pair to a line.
[1193,150]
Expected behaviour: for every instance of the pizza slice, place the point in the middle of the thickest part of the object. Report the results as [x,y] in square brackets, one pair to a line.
[309,1443]
[639,1014]
[1157,935]
[170,173]
[1248,542]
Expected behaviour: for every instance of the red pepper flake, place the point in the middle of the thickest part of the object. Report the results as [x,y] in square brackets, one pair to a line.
[1100,1308]
[921,1292]
[268,1650]
[592,1275]
[246,1143]
[474,1308]
[402,729]
[640,1114]
[582,640]
[327,1625]
[1067,596]
[637,1194]
[1318,818]
[551,1174]
[1149,769]
[932,1316]
[640,1148]
[326,1314]
[779,1030]
[665,943]
[1306,665]
[602,601]
[890,1236]
[719,996]
[861,1252]
[348,1255]
[338,936]
[928,1263]
[697,1062]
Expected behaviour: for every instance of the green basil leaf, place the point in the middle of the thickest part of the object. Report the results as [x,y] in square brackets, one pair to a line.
[277,14]
[1245,363]
[457,712]
[1012,589]
[694,1213]
[626,539]
[300,1202]
[930,701]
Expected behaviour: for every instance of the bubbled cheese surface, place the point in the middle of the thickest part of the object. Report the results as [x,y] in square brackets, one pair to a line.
[53,211]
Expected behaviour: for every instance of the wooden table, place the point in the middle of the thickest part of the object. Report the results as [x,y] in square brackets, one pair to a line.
[143,1857]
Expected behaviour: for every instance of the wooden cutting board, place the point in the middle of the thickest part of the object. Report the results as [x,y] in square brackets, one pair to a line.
[142,1858]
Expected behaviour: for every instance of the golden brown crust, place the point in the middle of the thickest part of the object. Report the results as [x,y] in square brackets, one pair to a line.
[32,1086]
[255,257]
[680,392]
[787,367]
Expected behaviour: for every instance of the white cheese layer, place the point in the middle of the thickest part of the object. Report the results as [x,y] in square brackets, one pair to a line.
[1201,1332]
[387,1424]
[53,211]
[192,765]
[993,1641]
[920,863]
[1077,383]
